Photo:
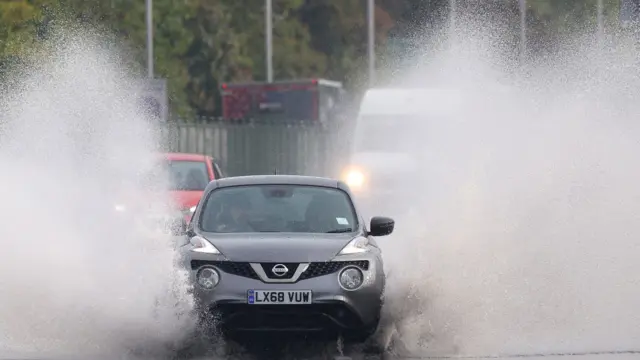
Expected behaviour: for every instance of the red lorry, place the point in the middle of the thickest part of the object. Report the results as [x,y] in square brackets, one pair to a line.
[304,100]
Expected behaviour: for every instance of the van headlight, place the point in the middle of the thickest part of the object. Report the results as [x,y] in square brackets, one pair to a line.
[354,178]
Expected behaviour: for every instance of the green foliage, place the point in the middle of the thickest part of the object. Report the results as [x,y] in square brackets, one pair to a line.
[566,16]
[18,21]
[338,31]
[199,44]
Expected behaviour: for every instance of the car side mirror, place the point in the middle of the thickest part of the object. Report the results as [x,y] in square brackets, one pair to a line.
[381,226]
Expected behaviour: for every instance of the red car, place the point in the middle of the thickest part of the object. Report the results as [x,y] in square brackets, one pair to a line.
[190,174]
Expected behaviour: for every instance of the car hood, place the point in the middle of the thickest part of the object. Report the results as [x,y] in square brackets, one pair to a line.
[279,247]
[186,199]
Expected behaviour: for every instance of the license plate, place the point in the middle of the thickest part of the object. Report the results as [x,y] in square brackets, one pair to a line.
[277,297]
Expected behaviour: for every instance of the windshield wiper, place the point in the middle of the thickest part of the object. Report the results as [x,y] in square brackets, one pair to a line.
[337,231]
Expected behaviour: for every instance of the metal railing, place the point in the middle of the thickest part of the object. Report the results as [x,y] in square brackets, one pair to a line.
[249,147]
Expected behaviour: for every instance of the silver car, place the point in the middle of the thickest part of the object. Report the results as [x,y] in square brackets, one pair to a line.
[280,253]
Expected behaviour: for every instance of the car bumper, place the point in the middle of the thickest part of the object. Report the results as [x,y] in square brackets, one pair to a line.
[333,309]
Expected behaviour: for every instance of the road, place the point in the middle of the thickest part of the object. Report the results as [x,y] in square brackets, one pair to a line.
[582,357]
[541,357]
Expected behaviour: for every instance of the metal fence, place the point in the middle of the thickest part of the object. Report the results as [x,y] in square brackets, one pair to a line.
[250,147]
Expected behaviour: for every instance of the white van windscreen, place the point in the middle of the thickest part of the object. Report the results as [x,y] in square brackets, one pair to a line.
[390,133]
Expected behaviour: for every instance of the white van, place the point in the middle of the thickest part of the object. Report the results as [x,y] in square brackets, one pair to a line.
[390,131]
[403,139]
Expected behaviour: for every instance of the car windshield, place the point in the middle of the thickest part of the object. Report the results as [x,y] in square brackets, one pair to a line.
[180,175]
[187,175]
[278,208]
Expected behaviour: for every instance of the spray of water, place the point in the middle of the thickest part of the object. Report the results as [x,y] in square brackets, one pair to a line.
[534,248]
[76,276]
[535,244]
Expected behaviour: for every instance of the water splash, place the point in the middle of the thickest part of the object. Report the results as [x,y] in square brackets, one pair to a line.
[75,277]
[534,245]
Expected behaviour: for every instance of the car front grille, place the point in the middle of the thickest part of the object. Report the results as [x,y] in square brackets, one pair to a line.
[243,269]
[268,269]
[315,269]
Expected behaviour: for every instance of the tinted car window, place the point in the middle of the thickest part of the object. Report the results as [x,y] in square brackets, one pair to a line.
[278,208]
[188,175]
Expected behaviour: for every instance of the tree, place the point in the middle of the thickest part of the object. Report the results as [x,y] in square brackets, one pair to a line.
[338,30]
[293,56]
[216,53]
[228,46]
[18,21]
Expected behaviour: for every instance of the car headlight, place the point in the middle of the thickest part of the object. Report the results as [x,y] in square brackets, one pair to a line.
[119,208]
[207,278]
[351,278]
[189,211]
[202,245]
[355,246]
[354,178]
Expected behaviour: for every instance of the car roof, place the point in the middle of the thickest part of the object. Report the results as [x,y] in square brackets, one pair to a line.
[395,101]
[185,157]
[435,101]
[278,180]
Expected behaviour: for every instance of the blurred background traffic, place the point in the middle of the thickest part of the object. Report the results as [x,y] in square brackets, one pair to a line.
[263,85]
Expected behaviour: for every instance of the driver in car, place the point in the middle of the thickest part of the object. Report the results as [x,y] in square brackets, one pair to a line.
[234,217]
